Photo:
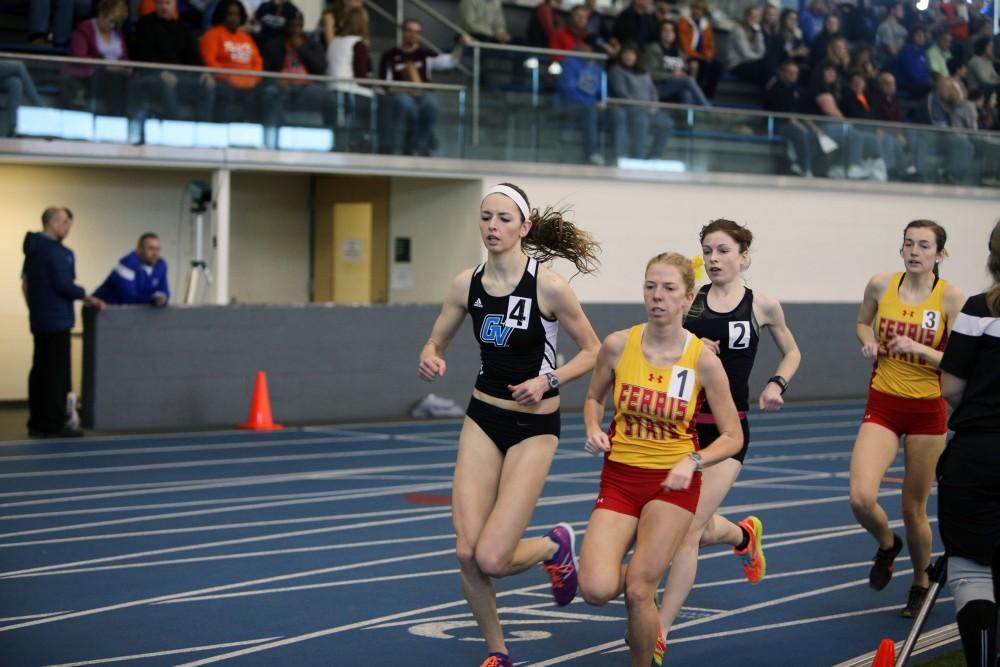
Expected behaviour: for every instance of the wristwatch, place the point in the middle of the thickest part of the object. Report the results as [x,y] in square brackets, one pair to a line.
[696,457]
[552,380]
[780,381]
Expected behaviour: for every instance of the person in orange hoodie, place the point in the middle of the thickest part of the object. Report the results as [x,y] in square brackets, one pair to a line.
[694,35]
[227,46]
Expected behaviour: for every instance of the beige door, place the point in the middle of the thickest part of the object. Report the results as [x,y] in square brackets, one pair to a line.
[352,252]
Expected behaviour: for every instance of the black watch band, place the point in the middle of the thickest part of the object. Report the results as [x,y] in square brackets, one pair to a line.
[780,381]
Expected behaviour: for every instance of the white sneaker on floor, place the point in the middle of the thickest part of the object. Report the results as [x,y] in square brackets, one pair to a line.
[856,172]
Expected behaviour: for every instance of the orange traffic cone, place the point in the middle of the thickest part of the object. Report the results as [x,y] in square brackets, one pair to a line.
[886,654]
[260,408]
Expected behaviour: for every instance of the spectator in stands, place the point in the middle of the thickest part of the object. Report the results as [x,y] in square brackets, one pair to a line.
[542,24]
[579,92]
[858,21]
[627,80]
[964,113]
[340,9]
[784,94]
[811,21]
[819,49]
[273,17]
[637,24]
[955,18]
[746,51]
[900,149]
[139,278]
[823,99]
[50,18]
[48,284]
[939,54]
[986,110]
[982,71]
[891,34]
[770,26]
[694,33]
[665,10]
[227,46]
[665,62]
[599,32]
[161,38]
[348,57]
[956,150]
[573,34]
[17,83]
[413,113]
[886,148]
[484,20]
[347,54]
[100,38]
[863,61]
[293,53]
[793,47]
[838,53]
[912,73]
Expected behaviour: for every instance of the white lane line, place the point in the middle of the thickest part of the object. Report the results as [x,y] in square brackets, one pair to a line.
[314,500]
[201,447]
[315,531]
[309,587]
[239,526]
[157,654]
[28,616]
[601,648]
[176,465]
[224,587]
[578,525]
[163,506]
[347,628]
[214,484]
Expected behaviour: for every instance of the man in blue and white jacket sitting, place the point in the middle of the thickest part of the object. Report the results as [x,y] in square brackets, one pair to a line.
[140,277]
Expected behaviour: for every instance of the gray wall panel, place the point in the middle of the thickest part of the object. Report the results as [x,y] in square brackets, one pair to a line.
[194,367]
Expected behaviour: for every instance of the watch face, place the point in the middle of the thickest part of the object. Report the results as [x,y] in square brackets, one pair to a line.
[553,381]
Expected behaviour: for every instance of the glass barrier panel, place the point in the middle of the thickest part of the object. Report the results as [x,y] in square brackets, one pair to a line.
[130,104]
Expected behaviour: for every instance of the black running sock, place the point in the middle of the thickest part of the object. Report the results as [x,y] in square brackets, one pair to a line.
[746,539]
[977,623]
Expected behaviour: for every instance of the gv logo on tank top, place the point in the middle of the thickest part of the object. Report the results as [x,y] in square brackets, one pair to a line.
[497,328]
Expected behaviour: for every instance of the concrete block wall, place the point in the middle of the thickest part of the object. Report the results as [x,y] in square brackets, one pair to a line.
[194,367]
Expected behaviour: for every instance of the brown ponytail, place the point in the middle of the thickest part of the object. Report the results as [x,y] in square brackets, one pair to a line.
[993,266]
[552,235]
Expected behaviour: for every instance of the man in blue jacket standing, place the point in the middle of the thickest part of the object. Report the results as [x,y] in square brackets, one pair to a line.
[139,278]
[48,281]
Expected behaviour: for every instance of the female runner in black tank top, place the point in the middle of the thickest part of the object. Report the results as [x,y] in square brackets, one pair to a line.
[511,429]
[728,316]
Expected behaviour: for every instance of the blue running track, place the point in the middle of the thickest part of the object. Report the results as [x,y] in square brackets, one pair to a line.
[334,546]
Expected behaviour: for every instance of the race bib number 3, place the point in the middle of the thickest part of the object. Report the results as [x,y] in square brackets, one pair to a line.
[681,383]
[932,320]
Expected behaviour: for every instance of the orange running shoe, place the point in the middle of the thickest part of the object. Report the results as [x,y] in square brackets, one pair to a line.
[754,563]
[497,660]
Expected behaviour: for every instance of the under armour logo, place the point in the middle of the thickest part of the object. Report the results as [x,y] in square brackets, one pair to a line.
[659,378]
[477,304]
[909,313]
[600,500]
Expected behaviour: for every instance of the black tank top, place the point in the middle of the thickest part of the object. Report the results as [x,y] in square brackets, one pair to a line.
[516,342]
[738,334]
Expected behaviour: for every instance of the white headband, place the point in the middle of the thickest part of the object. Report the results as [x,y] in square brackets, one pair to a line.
[513,195]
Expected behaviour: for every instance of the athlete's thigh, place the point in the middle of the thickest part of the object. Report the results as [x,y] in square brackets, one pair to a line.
[662,525]
[874,451]
[477,478]
[522,477]
[921,454]
[715,484]
[608,538]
